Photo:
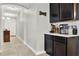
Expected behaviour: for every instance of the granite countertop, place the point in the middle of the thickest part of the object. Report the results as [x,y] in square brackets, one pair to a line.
[62,35]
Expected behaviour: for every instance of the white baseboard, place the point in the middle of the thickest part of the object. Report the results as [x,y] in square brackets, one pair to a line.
[35,52]
[30,48]
[19,38]
[13,35]
[40,52]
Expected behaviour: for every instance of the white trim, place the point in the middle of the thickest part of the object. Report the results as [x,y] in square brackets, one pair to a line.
[30,48]
[19,38]
[40,52]
[35,52]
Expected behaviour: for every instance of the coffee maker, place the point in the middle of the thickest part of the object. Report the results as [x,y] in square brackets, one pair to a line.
[63,28]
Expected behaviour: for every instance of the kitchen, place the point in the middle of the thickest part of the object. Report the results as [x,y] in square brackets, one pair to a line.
[63,37]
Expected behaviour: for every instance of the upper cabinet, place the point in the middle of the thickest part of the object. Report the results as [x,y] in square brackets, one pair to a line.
[61,12]
[77,11]
[54,12]
[66,11]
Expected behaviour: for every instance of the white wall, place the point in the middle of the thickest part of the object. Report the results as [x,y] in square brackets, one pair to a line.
[43,25]
[20,26]
[32,30]
[35,26]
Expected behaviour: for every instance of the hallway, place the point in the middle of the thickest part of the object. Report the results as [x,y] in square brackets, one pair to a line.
[15,48]
[26,24]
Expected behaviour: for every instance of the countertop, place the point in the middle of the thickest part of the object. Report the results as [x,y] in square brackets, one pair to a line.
[63,35]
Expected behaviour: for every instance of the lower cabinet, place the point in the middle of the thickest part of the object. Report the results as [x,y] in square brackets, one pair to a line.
[59,49]
[60,46]
[55,46]
[49,44]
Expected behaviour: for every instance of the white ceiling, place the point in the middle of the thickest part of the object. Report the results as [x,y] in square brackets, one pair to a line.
[10,11]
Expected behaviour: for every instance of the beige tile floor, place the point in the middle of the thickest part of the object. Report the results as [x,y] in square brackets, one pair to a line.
[16,48]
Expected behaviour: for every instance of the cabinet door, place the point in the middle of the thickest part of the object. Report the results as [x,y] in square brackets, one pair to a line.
[66,11]
[60,46]
[49,44]
[54,12]
[59,49]
[77,11]
[77,46]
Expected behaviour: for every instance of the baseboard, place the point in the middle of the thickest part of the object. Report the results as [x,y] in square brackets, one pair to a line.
[19,38]
[30,48]
[13,35]
[35,52]
[40,52]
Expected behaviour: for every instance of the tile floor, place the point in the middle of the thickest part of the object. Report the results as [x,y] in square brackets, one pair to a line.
[16,48]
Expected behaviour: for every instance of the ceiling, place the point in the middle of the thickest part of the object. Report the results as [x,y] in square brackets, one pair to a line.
[10,11]
[13,9]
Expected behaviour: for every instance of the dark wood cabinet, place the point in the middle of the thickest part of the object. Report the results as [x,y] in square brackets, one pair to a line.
[60,46]
[54,12]
[6,36]
[55,46]
[61,12]
[59,49]
[77,11]
[49,44]
[66,11]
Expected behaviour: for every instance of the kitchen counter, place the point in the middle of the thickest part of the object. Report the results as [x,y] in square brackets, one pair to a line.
[62,35]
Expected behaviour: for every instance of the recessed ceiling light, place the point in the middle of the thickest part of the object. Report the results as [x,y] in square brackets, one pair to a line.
[10,14]
[8,18]
[10,7]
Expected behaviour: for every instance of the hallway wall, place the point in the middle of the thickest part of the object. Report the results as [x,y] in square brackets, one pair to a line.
[20,27]
[43,25]
[32,29]
[37,25]
[34,26]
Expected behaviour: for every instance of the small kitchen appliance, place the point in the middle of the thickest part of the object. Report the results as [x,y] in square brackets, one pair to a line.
[64,28]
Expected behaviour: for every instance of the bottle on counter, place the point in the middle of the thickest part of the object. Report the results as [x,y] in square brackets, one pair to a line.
[74,30]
